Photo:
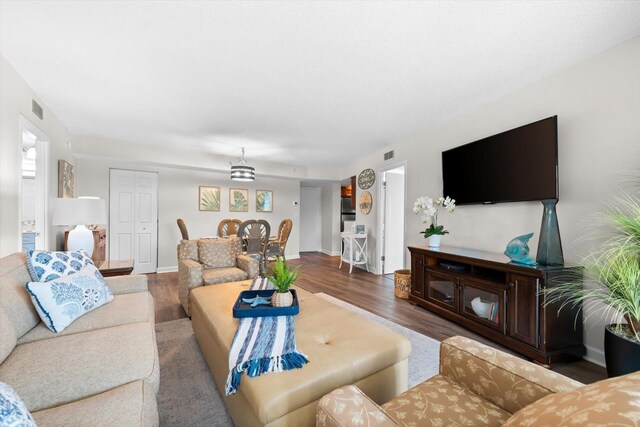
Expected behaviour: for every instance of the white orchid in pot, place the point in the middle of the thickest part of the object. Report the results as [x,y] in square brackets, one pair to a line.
[428,209]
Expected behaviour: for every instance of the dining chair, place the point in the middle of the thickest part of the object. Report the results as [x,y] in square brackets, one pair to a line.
[276,246]
[183,229]
[228,227]
[255,236]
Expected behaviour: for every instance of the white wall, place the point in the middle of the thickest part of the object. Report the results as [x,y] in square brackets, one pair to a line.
[598,108]
[15,101]
[330,218]
[178,198]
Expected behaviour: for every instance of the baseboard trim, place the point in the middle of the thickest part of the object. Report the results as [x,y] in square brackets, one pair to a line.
[292,256]
[596,356]
[330,253]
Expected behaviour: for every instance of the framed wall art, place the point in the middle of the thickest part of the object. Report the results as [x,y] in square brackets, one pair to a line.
[264,201]
[66,180]
[238,200]
[209,199]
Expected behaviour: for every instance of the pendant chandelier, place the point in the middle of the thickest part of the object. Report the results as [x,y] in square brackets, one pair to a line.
[242,171]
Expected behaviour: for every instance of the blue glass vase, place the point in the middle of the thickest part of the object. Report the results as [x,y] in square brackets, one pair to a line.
[549,246]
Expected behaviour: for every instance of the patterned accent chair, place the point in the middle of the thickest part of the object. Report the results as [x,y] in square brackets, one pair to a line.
[209,262]
[481,386]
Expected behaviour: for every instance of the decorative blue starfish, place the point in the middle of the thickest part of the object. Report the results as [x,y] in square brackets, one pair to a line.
[257,301]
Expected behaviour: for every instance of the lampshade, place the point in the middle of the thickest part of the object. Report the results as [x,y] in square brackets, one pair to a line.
[242,171]
[79,211]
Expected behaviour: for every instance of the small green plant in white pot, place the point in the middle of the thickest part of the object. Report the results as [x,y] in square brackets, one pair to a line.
[614,270]
[282,278]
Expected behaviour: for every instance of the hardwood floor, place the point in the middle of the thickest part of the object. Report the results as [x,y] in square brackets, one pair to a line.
[320,273]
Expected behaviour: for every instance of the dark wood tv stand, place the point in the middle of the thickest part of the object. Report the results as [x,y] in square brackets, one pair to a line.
[509,307]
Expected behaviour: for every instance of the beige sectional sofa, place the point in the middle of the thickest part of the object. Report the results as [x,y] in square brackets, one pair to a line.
[102,370]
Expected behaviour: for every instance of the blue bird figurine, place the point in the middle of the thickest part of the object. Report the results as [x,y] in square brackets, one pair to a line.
[518,250]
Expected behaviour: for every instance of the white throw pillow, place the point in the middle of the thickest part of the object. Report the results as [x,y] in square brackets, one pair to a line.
[13,412]
[44,266]
[61,301]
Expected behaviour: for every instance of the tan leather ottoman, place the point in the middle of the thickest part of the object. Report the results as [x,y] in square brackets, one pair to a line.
[343,348]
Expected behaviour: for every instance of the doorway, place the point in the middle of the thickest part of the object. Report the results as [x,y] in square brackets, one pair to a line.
[34,187]
[133,218]
[392,227]
[309,219]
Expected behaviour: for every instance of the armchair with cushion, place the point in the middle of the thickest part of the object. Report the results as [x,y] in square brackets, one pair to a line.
[209,262]
[481,386]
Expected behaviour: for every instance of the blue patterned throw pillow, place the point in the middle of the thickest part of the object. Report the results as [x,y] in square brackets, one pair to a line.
[44,266]
[62,300]
[13,412]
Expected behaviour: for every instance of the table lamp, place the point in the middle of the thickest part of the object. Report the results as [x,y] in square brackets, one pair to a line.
[80,212]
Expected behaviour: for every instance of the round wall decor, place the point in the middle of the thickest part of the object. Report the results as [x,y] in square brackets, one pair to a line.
[366,179]
[365,203]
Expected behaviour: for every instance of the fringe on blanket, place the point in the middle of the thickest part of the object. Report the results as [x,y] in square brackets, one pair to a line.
[256,367]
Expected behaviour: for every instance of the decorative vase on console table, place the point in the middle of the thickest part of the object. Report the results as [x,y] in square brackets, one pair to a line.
[282,279]
[428,207]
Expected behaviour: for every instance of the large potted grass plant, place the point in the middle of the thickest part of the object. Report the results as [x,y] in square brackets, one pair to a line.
[613,271]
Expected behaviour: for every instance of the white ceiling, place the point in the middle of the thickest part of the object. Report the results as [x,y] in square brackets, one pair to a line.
[294,82]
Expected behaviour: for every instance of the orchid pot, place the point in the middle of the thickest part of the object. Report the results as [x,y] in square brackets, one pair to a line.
[434,240]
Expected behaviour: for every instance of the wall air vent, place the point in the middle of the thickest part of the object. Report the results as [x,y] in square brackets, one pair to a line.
[37,109]
[389,155]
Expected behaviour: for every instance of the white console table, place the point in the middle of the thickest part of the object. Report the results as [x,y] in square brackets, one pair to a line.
[354,250]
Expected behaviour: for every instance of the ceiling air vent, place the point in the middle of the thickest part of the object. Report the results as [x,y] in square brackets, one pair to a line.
[389,155]
[37,109]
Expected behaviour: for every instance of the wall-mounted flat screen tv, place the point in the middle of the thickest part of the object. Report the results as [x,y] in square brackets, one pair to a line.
[517,165]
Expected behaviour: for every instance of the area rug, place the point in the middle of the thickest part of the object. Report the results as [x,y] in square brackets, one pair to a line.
[188,395]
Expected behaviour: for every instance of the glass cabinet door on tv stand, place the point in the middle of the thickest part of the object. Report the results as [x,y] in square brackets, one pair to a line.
[483,304]
[442,289]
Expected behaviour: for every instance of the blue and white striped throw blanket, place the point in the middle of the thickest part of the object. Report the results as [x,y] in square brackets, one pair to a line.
[262,344]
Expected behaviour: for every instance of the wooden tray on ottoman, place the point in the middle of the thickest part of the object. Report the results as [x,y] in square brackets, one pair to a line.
[242,309]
